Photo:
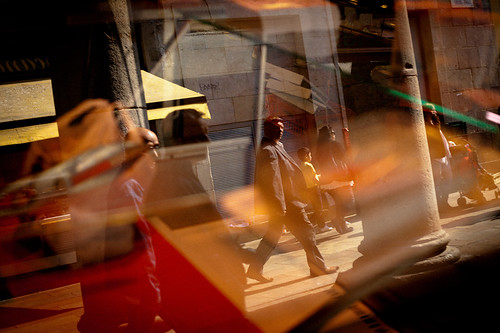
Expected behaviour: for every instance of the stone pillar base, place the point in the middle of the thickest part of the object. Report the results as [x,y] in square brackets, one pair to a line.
[371,272]
[449,256]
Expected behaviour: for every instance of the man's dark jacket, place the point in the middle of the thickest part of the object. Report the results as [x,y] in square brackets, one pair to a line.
[278,178]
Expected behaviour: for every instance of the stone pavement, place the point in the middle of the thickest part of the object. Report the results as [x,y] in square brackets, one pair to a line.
[292,296]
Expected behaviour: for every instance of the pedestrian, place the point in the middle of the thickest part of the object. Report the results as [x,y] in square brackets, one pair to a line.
[313,193]
[129,256]
[336,175]
[93,126]
[140,295]
[440,154]
[279,186]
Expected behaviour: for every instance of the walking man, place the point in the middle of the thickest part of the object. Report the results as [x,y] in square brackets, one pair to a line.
[280,185]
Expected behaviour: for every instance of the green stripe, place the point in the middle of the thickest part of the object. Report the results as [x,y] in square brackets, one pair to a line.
[446,111]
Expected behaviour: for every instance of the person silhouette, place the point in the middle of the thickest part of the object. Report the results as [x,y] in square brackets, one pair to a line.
[280,185]
[336,175]
[313,191]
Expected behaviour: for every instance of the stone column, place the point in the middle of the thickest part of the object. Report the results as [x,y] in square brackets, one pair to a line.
[394,184]
[95,56]
[124,70]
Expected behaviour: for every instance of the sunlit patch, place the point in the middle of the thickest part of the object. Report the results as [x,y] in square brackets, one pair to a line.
[241,203]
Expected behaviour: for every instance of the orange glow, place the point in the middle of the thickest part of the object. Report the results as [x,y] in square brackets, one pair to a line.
[278,5]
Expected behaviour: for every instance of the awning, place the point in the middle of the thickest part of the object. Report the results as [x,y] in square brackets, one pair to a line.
[30,112]
[163,97]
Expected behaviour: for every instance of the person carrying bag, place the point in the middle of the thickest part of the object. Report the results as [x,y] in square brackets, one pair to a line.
[336,176]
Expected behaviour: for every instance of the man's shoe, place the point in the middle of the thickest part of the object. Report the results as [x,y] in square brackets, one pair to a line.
[325,229]
[325,271]
[258,276]
[344,229]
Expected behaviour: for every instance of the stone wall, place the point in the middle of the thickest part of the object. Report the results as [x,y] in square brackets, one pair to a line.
[466,57]
[224,65]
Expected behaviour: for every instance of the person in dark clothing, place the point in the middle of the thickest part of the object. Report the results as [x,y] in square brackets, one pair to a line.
[280,185]
[336,175]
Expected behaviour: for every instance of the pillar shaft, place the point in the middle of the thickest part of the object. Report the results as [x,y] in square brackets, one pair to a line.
[124,70]
[95,57]
[394,185]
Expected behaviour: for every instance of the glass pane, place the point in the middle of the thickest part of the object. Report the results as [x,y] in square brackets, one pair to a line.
[238,165]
